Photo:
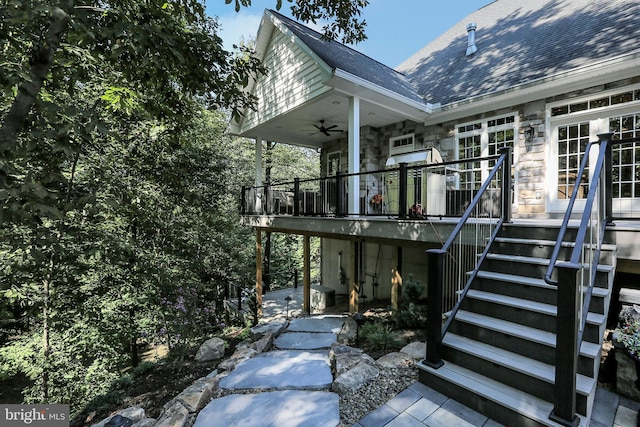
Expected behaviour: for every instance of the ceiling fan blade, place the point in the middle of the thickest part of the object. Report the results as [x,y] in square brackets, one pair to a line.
[331,127]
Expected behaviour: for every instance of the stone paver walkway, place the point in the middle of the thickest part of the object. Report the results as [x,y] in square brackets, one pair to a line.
[299,365]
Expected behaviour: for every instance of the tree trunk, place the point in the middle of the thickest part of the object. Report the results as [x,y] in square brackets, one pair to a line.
[41,62]
[266,265]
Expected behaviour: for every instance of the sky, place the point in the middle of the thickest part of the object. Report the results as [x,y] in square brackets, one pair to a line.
[396,29]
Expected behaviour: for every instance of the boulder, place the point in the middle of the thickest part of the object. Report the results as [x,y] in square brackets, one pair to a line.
[416,350]
[134,413]
[354,378]
[175,415]
[146,422]
[240,355]
[395,360]
[196,395]
[212,349]
[349,330]
[342,358]
[274,327]
[263,344]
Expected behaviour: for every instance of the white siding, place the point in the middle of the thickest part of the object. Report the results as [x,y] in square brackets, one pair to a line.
[294,77]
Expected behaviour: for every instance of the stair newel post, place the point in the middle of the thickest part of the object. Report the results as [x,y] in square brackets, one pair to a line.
[506,183]
[268,200]
[567,319]
[434,307]
[243,204]
[402,191]
[607,185]
[296,197]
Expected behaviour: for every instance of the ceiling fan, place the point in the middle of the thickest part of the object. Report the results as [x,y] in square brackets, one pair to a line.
[326,130]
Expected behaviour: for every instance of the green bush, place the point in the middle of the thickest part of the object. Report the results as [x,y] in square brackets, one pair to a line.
[411,314]
[378,336]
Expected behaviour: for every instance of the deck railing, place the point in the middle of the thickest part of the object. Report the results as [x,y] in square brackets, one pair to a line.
[575,277]
[453,267]
[403,192]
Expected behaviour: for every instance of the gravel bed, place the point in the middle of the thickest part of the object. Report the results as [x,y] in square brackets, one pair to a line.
[375,393]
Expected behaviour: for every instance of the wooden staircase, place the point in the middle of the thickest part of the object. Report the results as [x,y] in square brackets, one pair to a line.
[499,351]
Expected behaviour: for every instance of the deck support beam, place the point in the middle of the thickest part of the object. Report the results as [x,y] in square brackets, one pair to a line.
[354,288]
[259,270]
[306,281]
[396,277]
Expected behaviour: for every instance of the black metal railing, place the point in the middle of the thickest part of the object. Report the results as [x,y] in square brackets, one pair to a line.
[452,268]
[403,192]
[575,277]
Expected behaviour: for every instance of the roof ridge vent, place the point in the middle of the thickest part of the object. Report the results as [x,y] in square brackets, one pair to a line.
[471,39]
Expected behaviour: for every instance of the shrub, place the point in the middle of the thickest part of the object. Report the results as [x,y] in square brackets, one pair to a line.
[378,336]
[411,314]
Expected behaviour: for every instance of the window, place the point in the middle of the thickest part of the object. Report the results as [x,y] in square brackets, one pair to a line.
[573,125]
[483,139]
[402,144]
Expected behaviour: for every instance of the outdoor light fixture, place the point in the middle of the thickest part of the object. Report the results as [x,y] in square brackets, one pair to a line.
[359,319]
[529,133]
[287,299]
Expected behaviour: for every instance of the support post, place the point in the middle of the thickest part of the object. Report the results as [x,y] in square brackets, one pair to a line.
[402,191]
[306,281]
[435,260]
[296,197]
[340,196]
[506,184]
[258,175]
[354,288]
[259,270]
[564,410]
[396,277]
[353,205]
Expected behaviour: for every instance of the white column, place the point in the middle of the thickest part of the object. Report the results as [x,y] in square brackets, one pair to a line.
[354,155]
[258,183]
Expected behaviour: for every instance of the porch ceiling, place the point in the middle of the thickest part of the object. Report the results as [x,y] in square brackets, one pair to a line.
[297,126]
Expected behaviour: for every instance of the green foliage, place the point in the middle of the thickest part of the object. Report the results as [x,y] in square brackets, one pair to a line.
[378,336]
[411,312]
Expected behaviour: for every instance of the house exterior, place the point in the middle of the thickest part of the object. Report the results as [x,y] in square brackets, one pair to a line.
[404,152]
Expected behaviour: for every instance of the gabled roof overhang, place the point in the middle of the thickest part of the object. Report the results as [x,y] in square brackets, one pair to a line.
[379,106]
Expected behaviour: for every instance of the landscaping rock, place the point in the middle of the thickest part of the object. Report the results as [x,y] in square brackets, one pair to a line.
[626,375]
[240,355]
[395,360]
[342,358]
[349,330]
[146,422]
[354,379]
[134,413]
[212,349]
[175,416]
[196,395]
[263,344]
[416,350]
[274,327]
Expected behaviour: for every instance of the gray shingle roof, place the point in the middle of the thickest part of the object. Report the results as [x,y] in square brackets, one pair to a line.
[520,41]
[340,56]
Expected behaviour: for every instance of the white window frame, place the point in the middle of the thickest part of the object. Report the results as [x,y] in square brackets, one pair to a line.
[332,155]
[598,119]
[484,132]
[408,148]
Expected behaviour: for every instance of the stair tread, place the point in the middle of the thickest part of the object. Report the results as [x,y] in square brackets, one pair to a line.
[535,306]
[517,362]
[530,281]
[546,242]
[509,397]
[539,336]
[538,261]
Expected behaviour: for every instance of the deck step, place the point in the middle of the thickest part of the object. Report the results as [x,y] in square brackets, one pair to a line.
[539,336]
[504,404]
[516,362]
[523,304]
